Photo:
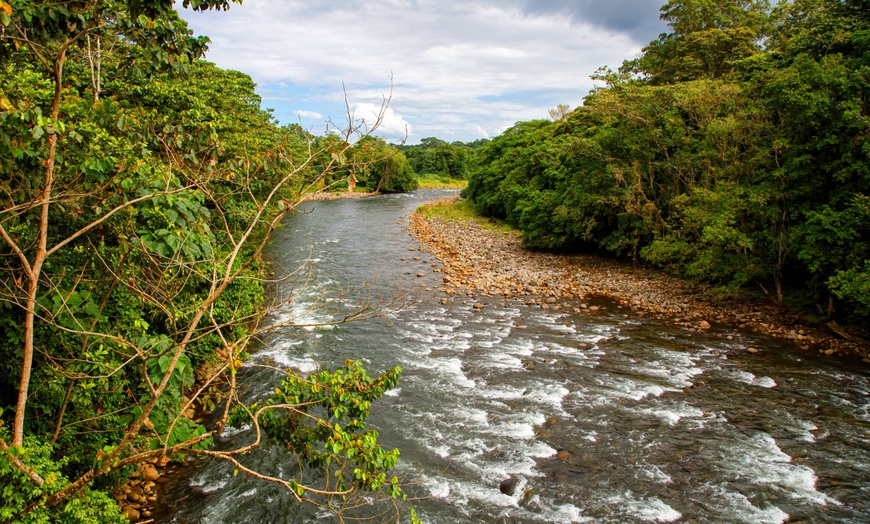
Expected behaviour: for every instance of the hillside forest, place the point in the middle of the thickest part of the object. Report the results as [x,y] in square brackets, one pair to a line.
[139,187]
[733,151]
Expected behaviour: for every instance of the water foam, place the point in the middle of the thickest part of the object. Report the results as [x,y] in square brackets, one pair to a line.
[646,509]
[763,462]
[748,378]
[673,415]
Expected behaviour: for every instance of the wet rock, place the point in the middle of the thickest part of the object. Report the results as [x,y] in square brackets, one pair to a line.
[552,421]
[479,305]
[508,486]
[150,473]
[564,454]
[751,350]
[131,513]
[704,325]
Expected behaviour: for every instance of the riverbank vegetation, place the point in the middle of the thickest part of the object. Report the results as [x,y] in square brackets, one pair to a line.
[734,151]
[139,187]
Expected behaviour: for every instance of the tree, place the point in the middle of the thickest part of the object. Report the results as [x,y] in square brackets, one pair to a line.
[133,224]
[379,166]
[708,38]
[733,152]
[559,113]
[436,158]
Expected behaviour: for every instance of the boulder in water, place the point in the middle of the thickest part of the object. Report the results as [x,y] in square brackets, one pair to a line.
[508,486]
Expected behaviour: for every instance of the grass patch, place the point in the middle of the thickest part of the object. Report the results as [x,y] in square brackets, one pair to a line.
[461,211]
[433,182]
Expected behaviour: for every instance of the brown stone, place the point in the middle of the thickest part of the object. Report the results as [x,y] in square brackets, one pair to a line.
[704,325]
[131,513]
[150,473]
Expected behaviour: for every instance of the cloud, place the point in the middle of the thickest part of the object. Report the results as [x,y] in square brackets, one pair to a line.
[637,18]
[389,124]
[457,69]
[313,115]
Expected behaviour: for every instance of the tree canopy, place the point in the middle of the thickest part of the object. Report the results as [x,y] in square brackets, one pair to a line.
[734,151]
[139,186]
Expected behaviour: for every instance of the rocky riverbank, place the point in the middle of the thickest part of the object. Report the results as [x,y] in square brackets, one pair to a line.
[484,264]
[334,195]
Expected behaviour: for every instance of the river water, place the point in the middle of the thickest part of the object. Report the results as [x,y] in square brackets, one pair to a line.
[600,417]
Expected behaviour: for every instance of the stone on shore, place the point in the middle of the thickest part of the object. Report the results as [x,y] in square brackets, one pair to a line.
[487,262]
[131,513]
[150,473]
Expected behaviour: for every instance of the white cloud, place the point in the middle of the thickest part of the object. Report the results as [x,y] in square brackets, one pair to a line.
[458,68]
[389,124]
[314,115]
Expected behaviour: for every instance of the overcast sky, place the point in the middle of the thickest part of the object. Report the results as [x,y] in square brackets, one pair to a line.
[461,70]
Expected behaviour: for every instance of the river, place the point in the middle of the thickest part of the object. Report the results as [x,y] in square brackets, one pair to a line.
[600,417]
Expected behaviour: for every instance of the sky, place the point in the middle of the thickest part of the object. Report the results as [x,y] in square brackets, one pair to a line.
[450,69]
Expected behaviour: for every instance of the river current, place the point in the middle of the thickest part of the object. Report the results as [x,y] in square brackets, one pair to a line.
[600,417]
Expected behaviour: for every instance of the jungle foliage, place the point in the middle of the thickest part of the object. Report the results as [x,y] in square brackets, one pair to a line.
[435,158]
[733,151]
[138,187]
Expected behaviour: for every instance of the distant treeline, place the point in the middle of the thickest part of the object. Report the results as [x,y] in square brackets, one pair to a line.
[733,151]
[434,158]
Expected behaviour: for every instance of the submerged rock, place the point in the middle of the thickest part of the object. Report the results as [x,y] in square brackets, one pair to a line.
[508,486]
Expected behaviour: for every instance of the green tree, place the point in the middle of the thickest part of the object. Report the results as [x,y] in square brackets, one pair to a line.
[707,39]
[134,211]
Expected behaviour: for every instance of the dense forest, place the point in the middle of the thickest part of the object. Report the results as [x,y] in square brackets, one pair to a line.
[735,150]
[139,186]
